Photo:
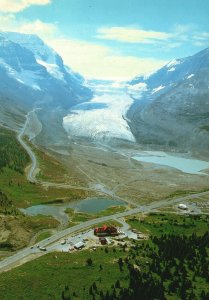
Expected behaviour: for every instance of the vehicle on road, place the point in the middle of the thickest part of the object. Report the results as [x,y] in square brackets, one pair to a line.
[42,248]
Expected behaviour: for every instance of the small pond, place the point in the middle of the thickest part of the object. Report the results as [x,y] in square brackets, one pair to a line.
[89,205]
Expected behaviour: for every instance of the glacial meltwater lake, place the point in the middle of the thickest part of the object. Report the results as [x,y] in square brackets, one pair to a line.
[186,165]
[88,205]
[94,205]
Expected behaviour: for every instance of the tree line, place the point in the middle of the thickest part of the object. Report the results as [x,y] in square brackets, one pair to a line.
[12,155]
[167,266]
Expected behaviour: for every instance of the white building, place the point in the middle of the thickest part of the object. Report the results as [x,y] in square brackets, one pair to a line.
[79,245]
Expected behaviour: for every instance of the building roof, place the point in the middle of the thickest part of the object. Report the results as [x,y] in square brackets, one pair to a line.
[79,245]
[104,228]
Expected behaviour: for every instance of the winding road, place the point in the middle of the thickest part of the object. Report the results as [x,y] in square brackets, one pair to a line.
[33,166]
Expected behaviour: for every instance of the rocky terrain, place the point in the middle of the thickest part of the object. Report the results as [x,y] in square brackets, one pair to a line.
[174,109]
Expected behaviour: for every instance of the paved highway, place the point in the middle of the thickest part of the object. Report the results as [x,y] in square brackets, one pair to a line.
[21,255]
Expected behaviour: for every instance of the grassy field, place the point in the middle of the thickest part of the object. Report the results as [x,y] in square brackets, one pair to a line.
[17,231]
[51,169]
[81,274]
[13,181]
[78,217]
[42,236]
[205,127]
[162,223]
[51,273]
[24,193]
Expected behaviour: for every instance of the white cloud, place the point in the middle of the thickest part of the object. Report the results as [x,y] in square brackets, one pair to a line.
[44,30]
[184,28]
[96,61]
[173,45]
[14,6]
[200,39]
[131,35]
[204,35]
[201,43]
[201,36]
[90,59]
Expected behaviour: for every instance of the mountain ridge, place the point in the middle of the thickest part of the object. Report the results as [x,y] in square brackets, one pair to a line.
[175,108]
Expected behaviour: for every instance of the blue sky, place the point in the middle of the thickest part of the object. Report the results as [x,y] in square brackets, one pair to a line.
[115,39]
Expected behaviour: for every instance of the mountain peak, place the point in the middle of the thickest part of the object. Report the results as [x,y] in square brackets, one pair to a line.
[35,44]
[176,70]
[18,37]
[29,63]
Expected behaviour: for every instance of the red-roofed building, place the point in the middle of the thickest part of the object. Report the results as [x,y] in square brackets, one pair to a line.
[105,231]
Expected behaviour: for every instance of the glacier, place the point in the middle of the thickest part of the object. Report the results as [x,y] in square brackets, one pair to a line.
[104,117]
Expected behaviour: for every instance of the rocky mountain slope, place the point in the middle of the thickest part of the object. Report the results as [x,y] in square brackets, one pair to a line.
[34,76]
[174,108]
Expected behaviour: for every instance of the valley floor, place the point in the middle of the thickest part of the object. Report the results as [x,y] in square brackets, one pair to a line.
[77,169]
[112,169]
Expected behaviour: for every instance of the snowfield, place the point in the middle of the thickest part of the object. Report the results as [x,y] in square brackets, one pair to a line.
[52,68]
[103,117]
[25,77]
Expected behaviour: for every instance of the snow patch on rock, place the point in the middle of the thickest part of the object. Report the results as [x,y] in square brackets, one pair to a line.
[25,77]
[52,69]
[171,69]
[173,63]
[157,89]
[139,87]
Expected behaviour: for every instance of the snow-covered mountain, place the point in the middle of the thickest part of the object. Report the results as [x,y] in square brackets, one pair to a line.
[169,107]
[34,75]
[162,109]
[174,109]
[45,56]
[176,70]
[27,64]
